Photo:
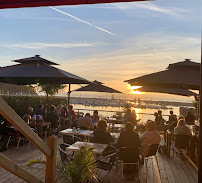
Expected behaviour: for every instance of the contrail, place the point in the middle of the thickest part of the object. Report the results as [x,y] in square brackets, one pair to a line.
[82,21]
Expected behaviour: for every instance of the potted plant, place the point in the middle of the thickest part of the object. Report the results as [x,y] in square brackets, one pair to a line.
[82,168]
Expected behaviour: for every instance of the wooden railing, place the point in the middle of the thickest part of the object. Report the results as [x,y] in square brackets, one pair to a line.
[49,149]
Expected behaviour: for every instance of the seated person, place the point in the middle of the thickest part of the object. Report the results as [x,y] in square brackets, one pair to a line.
[100,135]
[128,116]
[174,124]
[134,118]
[128,138]
[151,136]
[65,117]
[159,118]
[29,116]
[172,118]
[52,117]
[190,118]
[40,111]
[85,122]
[182,128]
[95,117]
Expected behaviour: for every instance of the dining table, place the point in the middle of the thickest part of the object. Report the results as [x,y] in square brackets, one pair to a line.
[69,131]
[40,125]
[97,148]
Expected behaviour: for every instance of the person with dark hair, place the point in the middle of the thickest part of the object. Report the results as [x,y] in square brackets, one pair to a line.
[85,122]
[128,116]
[72,113]
[172,118]
[100,135]
[174,124]
[128,138]
[52,117]
[95,117]
[190,118]
[40,111]
[65,117]
[159,118]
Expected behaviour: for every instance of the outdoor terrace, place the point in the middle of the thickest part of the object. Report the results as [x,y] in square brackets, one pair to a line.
[168,171]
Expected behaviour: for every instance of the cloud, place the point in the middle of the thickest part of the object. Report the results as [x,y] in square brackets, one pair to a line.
[149,6]
[47,45]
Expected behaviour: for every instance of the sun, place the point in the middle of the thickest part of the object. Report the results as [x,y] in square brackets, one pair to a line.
[132,88]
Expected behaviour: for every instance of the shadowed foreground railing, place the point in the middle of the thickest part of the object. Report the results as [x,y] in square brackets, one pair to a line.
[49,149]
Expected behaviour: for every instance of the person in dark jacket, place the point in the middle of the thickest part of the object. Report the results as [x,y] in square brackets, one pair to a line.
[129,138]
[100,134]
[190,118]
[52,117]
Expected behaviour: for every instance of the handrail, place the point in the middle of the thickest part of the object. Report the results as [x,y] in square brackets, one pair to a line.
[50,150]
[22,127]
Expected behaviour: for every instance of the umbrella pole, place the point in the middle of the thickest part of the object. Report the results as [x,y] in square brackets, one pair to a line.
[68,95]
[200,116]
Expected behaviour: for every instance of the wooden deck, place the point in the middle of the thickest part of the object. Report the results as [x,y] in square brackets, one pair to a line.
[163,170]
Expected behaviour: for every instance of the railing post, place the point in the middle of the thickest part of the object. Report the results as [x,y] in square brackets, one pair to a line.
[51,161]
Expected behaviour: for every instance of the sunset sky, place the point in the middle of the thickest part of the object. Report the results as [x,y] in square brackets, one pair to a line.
[105,42]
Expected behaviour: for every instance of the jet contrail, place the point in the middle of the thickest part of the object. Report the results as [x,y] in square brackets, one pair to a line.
[82,21]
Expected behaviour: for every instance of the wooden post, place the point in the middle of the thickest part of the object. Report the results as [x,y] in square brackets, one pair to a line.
[200,118]
[51,161]
[12,167]
[8,113]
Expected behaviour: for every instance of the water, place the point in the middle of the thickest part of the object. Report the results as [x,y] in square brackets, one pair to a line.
[107,111]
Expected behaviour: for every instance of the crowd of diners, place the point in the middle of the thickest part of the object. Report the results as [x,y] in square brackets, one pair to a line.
[128,137]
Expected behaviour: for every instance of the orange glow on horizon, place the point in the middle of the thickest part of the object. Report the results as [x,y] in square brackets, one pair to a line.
[137,92]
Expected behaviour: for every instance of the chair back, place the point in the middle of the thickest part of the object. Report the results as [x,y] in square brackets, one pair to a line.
[83,128]
[181,141]
[68,139]
[129,154]
[63,154]
[152,149]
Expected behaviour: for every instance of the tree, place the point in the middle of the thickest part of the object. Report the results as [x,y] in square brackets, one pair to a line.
[51,89]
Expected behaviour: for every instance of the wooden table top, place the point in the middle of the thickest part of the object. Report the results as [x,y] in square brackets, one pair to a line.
[98,148]
[69,131]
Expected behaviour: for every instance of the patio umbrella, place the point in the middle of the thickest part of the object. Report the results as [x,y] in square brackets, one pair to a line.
[35,70]
[97,86]
[175,91]
[35,3]
[185,74]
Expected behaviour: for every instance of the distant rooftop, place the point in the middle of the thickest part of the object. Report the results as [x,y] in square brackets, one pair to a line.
[35,59]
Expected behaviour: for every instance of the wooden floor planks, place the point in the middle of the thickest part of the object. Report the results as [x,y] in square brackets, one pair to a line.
[159,170]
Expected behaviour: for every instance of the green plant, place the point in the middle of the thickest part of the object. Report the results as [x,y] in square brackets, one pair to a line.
[82,168]
[51,89]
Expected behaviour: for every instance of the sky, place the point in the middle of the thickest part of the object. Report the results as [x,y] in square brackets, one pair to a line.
[105,42]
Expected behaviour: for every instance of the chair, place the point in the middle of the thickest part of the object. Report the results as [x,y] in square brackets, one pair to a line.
[23,138]
[151,153]
[129,156]
[11,133]
[107,165]
[181,143]
[64,156]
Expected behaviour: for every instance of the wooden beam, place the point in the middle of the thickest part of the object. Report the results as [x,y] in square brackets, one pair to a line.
[10,166]
[51,161]
[19,123]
